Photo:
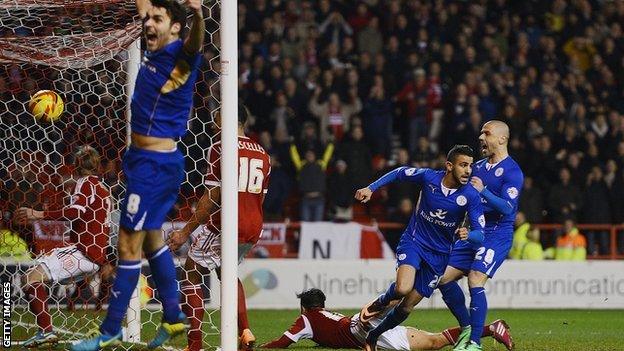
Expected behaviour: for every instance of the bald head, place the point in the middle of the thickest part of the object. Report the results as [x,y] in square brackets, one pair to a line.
[493,139]
[498,128]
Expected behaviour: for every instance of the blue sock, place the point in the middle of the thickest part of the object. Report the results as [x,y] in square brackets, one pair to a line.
[126,280]
[164,273]
[388,296]
[478,311]
[395,317]
[454,298]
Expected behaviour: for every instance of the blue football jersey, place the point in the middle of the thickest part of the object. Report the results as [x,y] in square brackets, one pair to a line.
[505,180]
[163,94]
[437,215]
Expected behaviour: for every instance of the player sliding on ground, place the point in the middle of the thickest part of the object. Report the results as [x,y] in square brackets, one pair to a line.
[205,252]
[330,329]
[153,166]
[498,179]
[88,251]
[422,255]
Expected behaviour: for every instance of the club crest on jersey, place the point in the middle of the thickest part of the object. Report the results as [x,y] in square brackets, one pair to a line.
[498,172]
[439,213]
[410,171]
[512,192]
[461,200]
[482,220]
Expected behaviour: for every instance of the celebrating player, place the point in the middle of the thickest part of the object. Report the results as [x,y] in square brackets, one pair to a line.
[153,166]
[205,251]
[423,251]
[330,329]
[89,251]
[498,179]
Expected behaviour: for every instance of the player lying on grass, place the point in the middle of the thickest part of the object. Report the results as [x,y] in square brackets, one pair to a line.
[330,329]
[87,252]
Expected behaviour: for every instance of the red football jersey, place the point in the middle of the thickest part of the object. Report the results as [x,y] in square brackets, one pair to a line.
[254,168]
[326,328]
[89,213]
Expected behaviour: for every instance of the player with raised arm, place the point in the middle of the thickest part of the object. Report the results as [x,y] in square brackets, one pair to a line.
[498,179]
[331,329]
[205,252]
[87,252]
[153,166]
[423,251]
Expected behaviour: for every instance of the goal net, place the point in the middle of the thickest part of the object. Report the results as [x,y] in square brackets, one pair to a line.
[88,51]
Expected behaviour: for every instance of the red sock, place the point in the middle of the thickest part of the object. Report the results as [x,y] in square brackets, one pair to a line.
[487,331]
[451,334]
[243,322]
[38,302]
[193,307]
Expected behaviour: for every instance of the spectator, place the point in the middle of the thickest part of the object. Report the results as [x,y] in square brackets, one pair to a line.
[532,250]
[340,189]
[356,153]
[370,39]
[596,210]
[564,199]
[280,185]
[571,246]
[377,113]
[334,115]
[312,181]
[12,246]
[519,236]
[531,202]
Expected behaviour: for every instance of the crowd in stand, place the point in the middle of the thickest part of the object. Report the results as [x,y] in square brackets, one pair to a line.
[342,91]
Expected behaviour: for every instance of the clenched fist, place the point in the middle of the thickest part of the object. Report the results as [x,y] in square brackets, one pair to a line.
[363,195]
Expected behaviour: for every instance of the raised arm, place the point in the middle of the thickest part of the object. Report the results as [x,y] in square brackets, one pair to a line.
[195,39]
[142,6]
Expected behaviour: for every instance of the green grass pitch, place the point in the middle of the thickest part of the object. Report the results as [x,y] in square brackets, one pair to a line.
[533,330]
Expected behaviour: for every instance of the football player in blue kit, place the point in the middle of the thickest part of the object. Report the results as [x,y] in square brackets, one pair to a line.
[498,179]
[422,255]
[153,166]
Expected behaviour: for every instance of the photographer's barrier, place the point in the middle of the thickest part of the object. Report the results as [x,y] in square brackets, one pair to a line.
[352,283]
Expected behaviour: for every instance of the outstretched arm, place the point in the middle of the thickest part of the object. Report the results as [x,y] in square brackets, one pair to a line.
[204,208]
[280,343]
[402,173]
[195,39]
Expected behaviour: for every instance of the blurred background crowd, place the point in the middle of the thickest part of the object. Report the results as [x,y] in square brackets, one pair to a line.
[343,91]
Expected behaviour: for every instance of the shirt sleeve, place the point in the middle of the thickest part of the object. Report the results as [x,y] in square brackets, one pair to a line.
[213,177]
[411,174]
[512,186]
[300,329]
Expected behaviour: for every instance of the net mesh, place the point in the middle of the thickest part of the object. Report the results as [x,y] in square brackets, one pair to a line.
[80,49]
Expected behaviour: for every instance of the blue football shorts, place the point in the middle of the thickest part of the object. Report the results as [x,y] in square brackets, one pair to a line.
[485,258]
[430,265]
[153,181]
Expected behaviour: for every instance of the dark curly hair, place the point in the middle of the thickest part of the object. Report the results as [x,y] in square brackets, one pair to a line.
[312,298]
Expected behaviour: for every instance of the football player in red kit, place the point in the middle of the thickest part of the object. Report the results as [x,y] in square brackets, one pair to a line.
[88,252]
[205,252]
[330,329]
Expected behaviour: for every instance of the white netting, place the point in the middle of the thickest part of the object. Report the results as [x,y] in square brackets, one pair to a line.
[80,49]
